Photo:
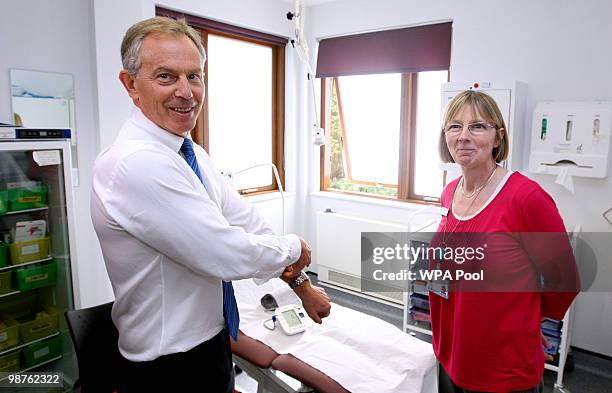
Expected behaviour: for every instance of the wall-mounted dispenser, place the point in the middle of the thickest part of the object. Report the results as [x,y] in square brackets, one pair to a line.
[571,138]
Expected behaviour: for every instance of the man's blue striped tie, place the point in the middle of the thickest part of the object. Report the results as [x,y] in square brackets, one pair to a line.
[230,308]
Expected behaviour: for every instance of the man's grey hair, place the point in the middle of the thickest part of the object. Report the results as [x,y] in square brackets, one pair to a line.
[132,41]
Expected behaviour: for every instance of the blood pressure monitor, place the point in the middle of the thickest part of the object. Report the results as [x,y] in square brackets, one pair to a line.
[291,318]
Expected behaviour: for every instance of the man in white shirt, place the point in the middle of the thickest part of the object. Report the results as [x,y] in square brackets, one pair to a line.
[171,231]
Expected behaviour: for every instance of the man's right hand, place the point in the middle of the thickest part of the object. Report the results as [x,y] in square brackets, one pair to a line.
[292,271]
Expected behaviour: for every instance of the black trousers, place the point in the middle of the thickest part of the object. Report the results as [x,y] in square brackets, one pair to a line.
[205,368]
[446,385]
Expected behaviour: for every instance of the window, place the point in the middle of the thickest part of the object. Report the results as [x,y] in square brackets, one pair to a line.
[242,119]
[357,136]
[382,112]
[428,177]
[368,143]
[240,107]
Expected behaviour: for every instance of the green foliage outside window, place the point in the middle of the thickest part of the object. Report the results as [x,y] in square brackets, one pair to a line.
[337,174]
[337,165]
[343,185]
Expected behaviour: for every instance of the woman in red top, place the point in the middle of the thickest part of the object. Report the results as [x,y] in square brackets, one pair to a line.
[489,340]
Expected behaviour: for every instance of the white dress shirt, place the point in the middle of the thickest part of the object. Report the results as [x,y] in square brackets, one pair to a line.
[168,240]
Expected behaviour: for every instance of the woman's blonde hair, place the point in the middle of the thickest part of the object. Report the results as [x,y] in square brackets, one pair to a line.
[485,106]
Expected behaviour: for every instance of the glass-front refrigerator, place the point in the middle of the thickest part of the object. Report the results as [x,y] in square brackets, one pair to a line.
[37,253]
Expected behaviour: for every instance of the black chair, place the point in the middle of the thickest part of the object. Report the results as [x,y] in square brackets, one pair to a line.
[95,341]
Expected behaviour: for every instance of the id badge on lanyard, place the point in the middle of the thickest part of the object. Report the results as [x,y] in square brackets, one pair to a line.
[439,286]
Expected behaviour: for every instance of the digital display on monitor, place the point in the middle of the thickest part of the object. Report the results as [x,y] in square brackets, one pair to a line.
[291,317]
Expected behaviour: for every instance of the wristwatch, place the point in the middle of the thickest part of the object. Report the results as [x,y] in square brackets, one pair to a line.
[299,280]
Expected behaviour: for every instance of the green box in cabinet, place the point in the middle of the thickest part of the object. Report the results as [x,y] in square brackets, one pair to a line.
[3,253]
[10,362]
[38,324]
[42,351]
[28,251]
[3,201]
[35,276]
[27,198]
[5,282]
[9,333]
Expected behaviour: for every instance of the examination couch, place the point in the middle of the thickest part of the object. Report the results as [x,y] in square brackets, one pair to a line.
[350,351]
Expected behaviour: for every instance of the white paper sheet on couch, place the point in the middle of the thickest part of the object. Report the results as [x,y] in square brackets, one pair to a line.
[361,352]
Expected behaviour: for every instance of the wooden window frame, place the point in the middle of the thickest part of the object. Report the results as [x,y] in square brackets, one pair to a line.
[200,133]
[407,145]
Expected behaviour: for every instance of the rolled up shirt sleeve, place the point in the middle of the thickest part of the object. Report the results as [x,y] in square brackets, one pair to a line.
[239,212]
[159,203]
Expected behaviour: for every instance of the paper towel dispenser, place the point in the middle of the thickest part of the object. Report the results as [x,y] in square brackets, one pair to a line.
[571,138]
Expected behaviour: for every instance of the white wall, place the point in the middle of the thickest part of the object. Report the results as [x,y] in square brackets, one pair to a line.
[57,36]
[270,208]
[559,48]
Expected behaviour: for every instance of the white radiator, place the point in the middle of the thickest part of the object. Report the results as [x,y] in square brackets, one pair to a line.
[338,250]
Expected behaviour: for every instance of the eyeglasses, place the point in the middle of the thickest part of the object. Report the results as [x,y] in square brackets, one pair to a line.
[477,128]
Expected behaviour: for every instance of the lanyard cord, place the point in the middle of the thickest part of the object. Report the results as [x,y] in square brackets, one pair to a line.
[466,210]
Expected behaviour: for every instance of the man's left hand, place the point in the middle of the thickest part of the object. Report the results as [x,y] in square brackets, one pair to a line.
[314,300]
